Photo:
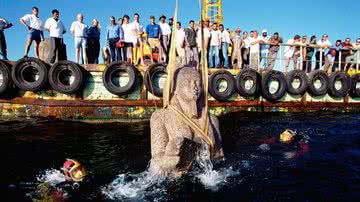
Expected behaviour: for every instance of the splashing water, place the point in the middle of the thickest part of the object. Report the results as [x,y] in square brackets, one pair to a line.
[51,176]
[135,187]
[210,178]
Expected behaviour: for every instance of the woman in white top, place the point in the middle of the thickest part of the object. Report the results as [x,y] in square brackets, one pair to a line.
[136,31]
[35,32]
[245,49]
[128,39]
[289,52]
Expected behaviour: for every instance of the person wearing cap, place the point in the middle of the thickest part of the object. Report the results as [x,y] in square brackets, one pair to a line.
[165,36]
[153,34]
[225,42]
[255,51]
[264,49]
[35,32]
[274,42]
[94,42]
[237,48]
[113,35]
[180,43]
[215,46]
[57,30]
[290,52]
[4,24]
[79,31]
[191,50]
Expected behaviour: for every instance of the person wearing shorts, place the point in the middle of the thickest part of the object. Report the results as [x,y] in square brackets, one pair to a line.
[35,32]
[79,31]
[153,34]
[136,32]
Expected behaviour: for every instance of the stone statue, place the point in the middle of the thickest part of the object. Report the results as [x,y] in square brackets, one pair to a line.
[173,143]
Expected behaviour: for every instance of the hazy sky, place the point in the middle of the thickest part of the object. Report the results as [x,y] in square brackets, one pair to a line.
[339,19]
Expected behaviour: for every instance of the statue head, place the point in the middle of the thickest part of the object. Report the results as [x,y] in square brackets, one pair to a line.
[187,90]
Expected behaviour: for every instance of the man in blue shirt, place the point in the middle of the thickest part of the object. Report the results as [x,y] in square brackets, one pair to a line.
[114,34]
[153,33]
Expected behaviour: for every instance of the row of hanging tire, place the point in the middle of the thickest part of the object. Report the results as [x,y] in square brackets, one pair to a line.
[68,78]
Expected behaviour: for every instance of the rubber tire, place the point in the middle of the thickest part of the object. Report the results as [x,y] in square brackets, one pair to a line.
[56,83]
[149,77]
[304,82]
[122,66]
[318,74]
[24,63]
[248,74]
[354,92]
[213,80]
[265,85]
[345,87]
[6,84]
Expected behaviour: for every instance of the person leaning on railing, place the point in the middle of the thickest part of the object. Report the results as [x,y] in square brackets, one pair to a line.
[290,52]
[274,42]
[355,55]
[346,54]
[324,44]
[310,50]
[255,51]
[245,49]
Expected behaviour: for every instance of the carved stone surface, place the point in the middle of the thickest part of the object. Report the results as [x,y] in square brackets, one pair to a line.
[173,143]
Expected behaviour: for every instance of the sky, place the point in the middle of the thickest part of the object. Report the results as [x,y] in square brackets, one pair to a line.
[338,19]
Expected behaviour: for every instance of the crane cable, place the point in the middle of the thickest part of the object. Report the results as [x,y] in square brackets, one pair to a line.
[203,133]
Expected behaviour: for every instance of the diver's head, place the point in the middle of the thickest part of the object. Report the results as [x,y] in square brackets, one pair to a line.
[288,136]
[74,171]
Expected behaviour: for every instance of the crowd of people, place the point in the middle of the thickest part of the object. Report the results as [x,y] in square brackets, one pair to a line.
[126,39]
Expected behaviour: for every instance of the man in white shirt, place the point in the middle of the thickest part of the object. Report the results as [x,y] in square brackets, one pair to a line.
[254,51]
[165,35]
[136,31]
[128,37]
[79,31]
[215,45]
[56,29]
[206,31]
[35,30]
[264,49]
[325,44]
[180,43]
[225,42]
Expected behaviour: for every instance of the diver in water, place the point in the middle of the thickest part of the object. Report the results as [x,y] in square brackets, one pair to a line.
[75,181]
[289,139]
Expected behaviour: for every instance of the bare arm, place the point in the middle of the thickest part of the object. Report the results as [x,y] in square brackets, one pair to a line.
[24,23]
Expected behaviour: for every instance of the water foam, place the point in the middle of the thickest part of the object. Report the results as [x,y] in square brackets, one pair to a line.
[51,176]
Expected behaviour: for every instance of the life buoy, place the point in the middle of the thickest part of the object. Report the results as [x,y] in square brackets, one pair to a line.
[29,74]
[154,71]
[66,77]
[324,80]
[345,87]
[267,79]
[250,76]
[215,82]
[115,69]
[303,80]
[6,78]
[355,91]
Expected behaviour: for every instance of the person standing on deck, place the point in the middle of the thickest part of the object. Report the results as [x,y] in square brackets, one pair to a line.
[225,42]
[4,24]
[153,34]
[264,49]
[128,38]
[206,32]
[290,52]
[137,30]
[57,30]
[192,55]
[215,45]
[254,51]
[121,49]
[113,35]
[346,54]
[310,50]
[79,31]
[165,36]
[274,43]
[94,42]
[245,49]
[237,48]
[180,43]
[35,31]
[325,44]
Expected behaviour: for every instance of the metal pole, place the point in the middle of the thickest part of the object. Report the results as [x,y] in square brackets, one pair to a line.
[339,65]
[301,57]
[321,58]
[280,60]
